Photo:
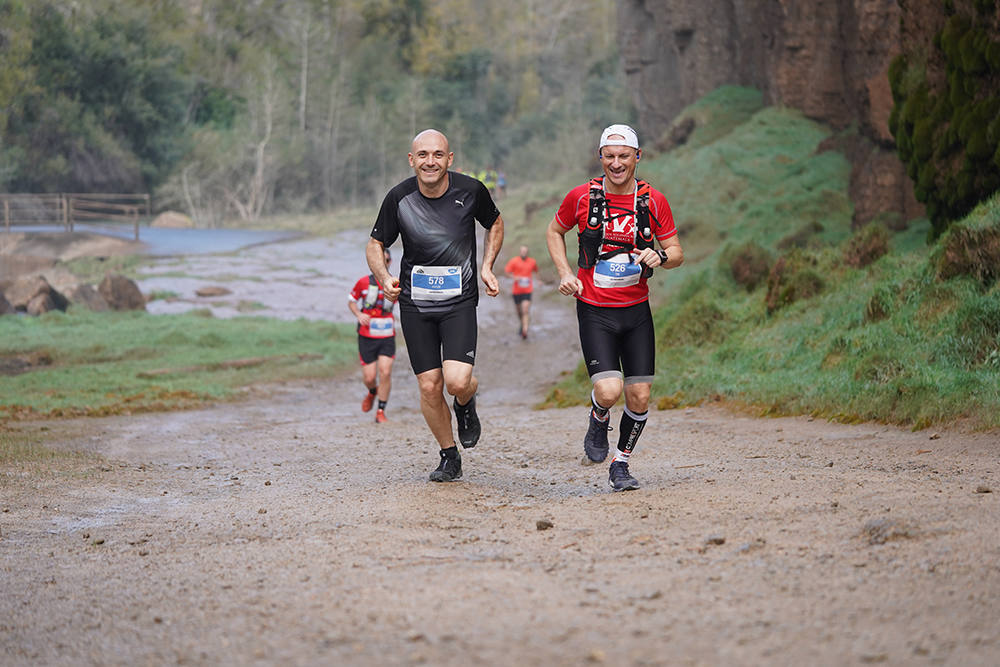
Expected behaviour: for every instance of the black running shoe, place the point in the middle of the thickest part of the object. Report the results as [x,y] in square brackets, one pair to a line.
[468,423]
[619,478]
[595,443]
[448,470]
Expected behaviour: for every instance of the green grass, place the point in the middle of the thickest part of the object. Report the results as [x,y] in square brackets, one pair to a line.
[115,363]
[890,342]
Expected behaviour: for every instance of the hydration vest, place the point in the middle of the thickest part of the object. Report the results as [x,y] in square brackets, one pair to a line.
[373,299]
[591,239]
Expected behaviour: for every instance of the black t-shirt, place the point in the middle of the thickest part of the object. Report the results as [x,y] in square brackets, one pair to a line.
[438,271]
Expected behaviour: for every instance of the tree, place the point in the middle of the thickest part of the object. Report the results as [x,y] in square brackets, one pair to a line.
[946,118]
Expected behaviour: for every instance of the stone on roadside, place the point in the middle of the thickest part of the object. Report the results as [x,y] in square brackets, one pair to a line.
[172,220]
[213,290]
[5,306]
[121,293]
[88,297]
[24,291]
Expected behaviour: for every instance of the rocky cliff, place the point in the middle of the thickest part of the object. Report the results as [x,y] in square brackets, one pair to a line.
[828,58]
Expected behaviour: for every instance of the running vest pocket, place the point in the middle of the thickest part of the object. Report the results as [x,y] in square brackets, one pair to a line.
[435,283]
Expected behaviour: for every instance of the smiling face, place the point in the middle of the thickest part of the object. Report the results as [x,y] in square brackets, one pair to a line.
[430,159]
[619,163]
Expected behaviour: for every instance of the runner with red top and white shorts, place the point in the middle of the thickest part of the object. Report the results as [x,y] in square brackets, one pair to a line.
[617,218]
[376,340]
[521,269]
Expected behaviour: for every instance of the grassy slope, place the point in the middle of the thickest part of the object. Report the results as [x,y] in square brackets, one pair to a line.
[753,173]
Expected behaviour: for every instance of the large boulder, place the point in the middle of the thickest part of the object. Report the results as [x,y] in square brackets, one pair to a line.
[40,304]
[26,290]
[88,297]
[121,293]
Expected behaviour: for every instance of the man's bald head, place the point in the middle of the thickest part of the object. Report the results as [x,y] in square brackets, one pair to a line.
[430,159]
[431,135]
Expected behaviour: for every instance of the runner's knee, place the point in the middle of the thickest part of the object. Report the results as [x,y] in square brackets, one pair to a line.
[607,391]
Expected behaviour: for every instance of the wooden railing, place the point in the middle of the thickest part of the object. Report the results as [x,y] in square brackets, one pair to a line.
[68,209]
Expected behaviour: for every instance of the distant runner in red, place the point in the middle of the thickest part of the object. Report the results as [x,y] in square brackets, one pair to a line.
[619,221]
[521,269]
[376,340]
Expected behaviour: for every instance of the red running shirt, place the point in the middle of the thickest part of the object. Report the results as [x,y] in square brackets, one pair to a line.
[521,269]
[620,226]
[373,306]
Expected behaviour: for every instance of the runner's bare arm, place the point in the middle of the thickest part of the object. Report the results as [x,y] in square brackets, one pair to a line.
[674,252]
[375,254]
[555,239]
[491,248]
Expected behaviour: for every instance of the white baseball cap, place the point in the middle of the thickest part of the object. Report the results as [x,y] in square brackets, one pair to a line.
[631,138]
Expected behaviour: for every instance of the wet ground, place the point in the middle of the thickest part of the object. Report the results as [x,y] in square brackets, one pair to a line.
[288,528]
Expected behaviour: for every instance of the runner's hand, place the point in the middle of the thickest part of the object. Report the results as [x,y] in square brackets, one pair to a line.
[364,319]
[491,282]
[650,258]
[392,290]
[570,285]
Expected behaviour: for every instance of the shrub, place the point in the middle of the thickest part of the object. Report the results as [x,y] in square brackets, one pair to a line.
[969,250]
[866,246]
[748,264]
[793,277]
[946,103]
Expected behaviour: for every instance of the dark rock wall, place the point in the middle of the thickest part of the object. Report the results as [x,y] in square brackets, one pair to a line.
[828,58]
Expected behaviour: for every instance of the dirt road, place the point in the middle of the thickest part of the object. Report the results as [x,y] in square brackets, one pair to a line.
[288,528]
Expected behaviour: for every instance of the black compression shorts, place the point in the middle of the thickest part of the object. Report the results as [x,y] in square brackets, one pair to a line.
[431,337]
[617,341]
[520,298]
[370,349]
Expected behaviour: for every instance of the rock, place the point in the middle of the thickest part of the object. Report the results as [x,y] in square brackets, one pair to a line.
[212,290]
[543,524]
[715,539]
[121,293]
[982,488]
[829,59]
[5,306]
[173,220]
[25,291]
[88,297]
[40,304]
[880,531]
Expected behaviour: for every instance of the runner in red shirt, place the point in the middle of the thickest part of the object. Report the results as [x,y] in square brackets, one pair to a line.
[376,340]
[617,218]
[521,268]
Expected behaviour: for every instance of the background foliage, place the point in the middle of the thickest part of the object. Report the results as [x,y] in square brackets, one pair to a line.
[946,118]
[238,110]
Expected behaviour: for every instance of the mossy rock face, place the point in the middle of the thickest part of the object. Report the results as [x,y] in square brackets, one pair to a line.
[945,118]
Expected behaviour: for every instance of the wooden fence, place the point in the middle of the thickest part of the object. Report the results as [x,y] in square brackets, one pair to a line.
[68,209]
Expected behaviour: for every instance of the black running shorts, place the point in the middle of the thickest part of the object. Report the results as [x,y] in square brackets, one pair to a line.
[617,341]
[370,349]
[431,337]
[521,298]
